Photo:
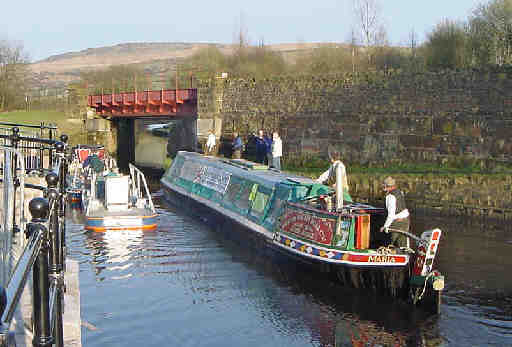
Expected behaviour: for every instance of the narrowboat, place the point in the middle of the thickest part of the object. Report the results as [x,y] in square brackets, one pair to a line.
[80,154]
[114,201]
[293,215]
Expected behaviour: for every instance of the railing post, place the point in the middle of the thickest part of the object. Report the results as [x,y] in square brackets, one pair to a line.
[41,149]
[53,197]
[50,152]
[15,139]
[63,200]
[55,263]
[41,291]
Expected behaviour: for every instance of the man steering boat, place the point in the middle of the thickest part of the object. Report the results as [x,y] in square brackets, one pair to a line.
[398,219]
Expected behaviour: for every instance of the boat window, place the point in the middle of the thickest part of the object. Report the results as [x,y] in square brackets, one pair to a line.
[282,194]
[274,211]
[243,199]
[259,203]
[232,191]
[176,168]
[191,170]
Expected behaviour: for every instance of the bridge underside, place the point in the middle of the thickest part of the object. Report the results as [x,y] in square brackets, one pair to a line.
[149,103]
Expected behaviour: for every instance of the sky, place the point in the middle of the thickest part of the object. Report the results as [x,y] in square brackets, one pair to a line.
[47,28]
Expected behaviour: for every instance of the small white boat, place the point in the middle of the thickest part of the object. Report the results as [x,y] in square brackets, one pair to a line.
[113,201]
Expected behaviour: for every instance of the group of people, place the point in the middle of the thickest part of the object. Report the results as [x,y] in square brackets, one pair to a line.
[268,150]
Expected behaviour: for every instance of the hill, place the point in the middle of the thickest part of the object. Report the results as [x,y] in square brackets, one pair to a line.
[58,70]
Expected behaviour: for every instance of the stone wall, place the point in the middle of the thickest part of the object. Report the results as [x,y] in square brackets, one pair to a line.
[477,195]
[373,118]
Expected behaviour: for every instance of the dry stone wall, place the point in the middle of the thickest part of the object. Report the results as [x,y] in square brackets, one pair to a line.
[373,118]
[476,195]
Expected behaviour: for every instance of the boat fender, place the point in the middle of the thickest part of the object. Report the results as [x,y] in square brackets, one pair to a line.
[437,280]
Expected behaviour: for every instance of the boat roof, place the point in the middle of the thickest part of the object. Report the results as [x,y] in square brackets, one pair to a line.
[250,170]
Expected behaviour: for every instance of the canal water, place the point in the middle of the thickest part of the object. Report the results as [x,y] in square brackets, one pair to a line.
[187,284]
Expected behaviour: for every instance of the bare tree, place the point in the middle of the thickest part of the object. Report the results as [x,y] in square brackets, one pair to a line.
[13,75]
[353,47]
[241,45]
[367,16]
[413,46]
[241,37]
[413,42]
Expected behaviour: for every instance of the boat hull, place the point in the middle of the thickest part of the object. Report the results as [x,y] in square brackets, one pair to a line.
[75,196]
[106,223]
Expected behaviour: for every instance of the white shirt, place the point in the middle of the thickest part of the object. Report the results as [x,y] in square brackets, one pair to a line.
[336,168]
[391,207]
[277,147]
[211,141]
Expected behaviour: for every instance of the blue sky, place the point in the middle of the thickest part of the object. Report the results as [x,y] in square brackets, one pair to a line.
[52,27]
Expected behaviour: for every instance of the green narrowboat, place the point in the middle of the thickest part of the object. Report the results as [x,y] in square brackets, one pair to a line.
[291,213]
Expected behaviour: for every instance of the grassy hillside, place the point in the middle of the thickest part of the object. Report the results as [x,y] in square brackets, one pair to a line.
[70,127]
[159,59]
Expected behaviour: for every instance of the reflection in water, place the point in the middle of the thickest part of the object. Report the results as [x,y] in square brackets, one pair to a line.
[114,250]
[185,284]
[352,331]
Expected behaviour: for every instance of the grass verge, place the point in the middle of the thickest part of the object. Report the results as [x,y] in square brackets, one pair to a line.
[69,126]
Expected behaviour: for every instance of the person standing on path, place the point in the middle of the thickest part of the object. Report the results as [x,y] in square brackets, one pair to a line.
[261,147]
[277,150]
[210,143]
[237,146]
[268,149]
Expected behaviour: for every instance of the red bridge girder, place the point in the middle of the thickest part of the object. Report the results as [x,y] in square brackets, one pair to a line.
[170,102]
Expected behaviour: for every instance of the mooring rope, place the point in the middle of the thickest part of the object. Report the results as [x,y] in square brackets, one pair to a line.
[386,250]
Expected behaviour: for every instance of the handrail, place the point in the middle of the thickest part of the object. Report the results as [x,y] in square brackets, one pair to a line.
[44,252]
[11,178]
[19,276]
[137,176]
[42,126]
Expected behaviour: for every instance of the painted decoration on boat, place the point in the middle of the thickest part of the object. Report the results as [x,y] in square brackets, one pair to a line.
[207,176]
[308,225]
[213,178]
[343,256]
[426,252]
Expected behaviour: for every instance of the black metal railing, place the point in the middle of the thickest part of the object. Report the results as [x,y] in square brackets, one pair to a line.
[35,142]
[44,252]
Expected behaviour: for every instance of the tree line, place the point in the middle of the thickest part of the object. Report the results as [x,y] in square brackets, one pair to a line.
[483,41]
